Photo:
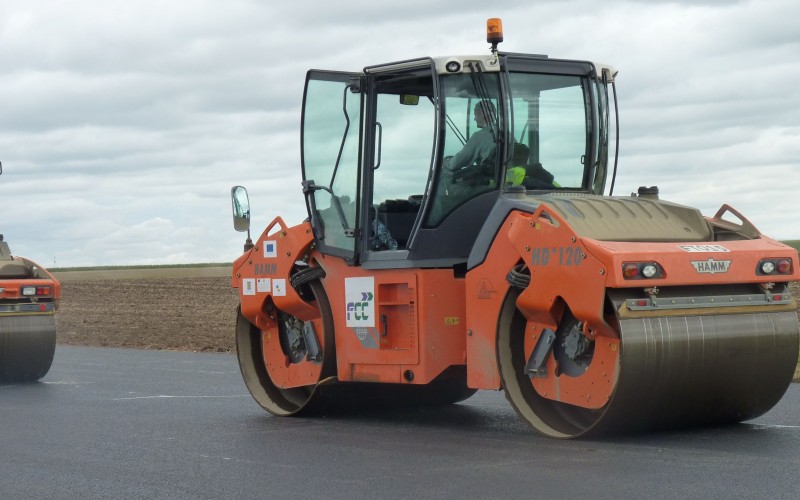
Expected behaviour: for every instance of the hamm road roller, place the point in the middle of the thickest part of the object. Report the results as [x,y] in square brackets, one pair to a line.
[28,299]
[458,239]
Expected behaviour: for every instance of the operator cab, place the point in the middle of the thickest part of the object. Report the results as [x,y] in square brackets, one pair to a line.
[404,162]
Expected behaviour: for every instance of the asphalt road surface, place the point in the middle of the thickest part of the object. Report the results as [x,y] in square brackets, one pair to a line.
[119,423]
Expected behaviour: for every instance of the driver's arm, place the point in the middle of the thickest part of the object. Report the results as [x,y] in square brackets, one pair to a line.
[465,157]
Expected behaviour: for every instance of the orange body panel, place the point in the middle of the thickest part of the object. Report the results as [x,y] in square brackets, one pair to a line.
[415,328]
[743,255]
[559,273]
[401,326]
[486,291]
[262,273]
[283,373]
[11,288]
[593,388]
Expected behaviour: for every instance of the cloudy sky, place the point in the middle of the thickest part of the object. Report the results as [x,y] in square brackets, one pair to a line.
[123,125]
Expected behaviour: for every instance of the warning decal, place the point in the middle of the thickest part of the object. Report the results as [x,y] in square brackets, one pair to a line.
[263,285]
[279,288]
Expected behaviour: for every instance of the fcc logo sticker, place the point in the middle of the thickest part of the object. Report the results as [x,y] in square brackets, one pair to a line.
[711,266]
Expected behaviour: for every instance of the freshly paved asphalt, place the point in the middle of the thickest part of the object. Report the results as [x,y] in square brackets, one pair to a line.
[118,423]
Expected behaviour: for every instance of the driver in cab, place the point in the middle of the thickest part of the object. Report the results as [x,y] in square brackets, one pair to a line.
[479,147]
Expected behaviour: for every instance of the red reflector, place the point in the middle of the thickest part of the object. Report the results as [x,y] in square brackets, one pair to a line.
[42,307]
[641,303]
[784,266]
[777,297]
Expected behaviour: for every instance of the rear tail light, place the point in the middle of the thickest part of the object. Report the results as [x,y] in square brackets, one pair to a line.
[630,271]
[35,291]
[774,266]
[642,270]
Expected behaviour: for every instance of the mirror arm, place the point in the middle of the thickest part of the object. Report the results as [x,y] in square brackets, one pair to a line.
[248,243]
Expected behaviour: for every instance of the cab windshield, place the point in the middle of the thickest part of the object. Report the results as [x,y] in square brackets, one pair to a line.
[537,136]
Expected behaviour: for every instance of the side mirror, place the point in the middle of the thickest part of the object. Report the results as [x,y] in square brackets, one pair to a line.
[241,213]
[240,203]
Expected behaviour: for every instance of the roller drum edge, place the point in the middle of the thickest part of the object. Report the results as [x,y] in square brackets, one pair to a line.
[27,346]
[701,370]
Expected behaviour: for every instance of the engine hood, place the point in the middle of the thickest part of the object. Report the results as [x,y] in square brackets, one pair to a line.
[626,218]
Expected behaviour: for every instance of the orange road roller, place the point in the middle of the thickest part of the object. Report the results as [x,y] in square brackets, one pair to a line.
[458,239]
[29,296]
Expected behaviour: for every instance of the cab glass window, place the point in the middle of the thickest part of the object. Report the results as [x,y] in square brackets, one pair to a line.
[550,119]
[404,138]
[471,160]
[331,120]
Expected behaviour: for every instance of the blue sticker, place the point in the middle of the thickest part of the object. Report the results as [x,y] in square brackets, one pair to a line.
[270,249]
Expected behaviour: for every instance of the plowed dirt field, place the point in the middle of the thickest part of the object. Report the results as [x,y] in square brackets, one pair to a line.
[191,309]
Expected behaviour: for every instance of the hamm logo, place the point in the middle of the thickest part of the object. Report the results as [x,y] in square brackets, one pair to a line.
[711,266]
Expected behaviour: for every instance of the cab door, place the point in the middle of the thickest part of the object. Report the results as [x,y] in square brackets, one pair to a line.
[400,145]
[331,155]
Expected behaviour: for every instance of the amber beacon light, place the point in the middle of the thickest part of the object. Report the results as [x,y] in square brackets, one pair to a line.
[494,32]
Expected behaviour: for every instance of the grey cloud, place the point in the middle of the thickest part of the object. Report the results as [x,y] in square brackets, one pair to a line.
[132,120]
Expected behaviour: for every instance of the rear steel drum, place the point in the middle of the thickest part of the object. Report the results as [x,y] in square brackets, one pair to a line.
[675,371]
